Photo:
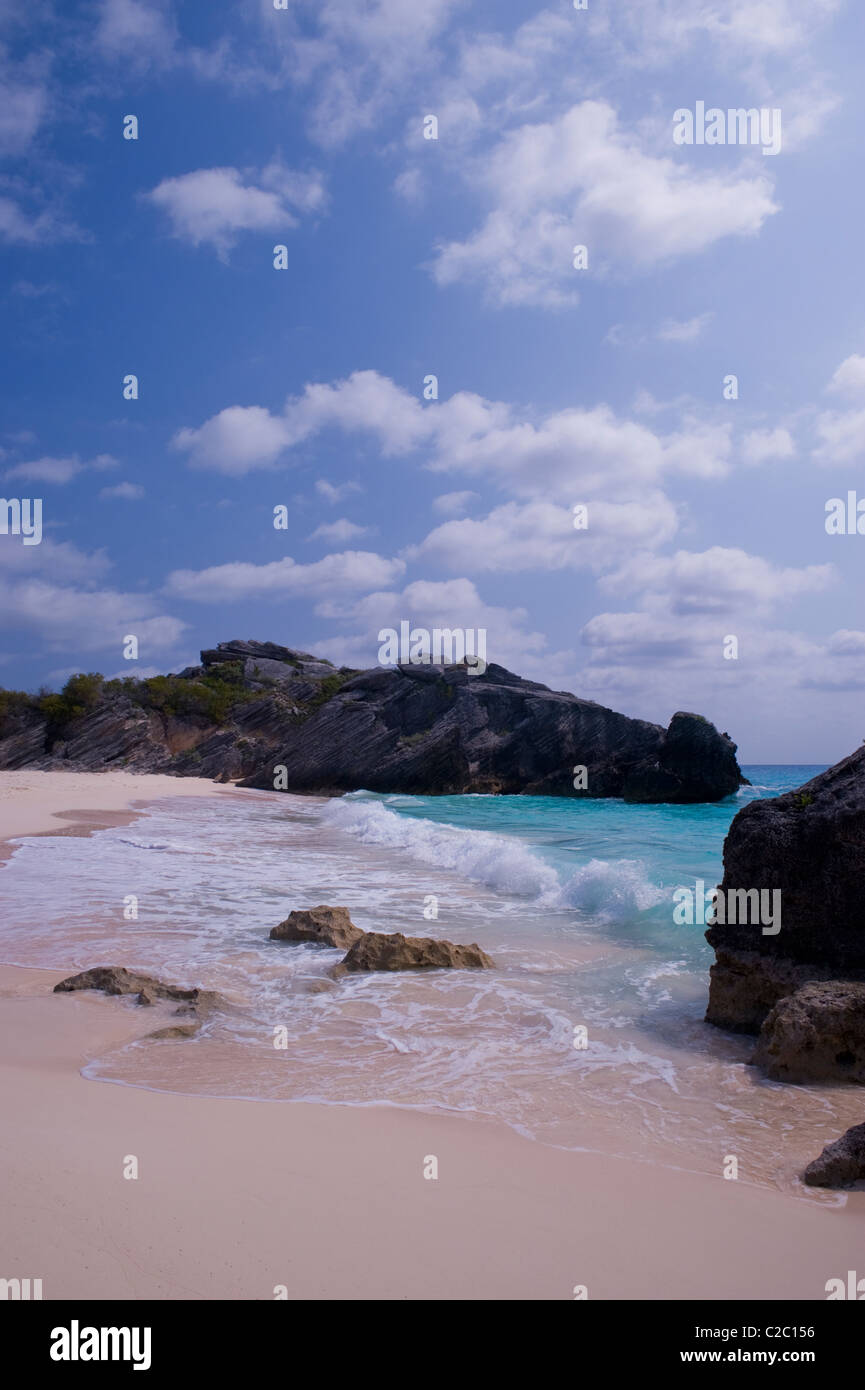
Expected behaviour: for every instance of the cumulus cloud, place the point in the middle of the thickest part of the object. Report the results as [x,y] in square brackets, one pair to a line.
[335,492]
[576,450]
[214,206]
[356,58]
[841,433]
[236,440]
[427,603]
[454,503]
[849,379]
[24,101]
[59,470]
[541,536]
[137,31]
[125,492]
[582,179]
[761,446]
[341,530]
[719,581]
[349,571]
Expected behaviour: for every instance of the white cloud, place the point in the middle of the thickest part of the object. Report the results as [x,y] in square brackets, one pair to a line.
[541,536]
[60,562]
[564,457]
[581,179]
[718,581]
[684,330]
[59,470]
[352,570]
[357,58]
[341,530]
[236,440]
[849,379]
[426,603]
[44,227]
[127,492]
[335,492]
[215,205]
[760,446]
[84,619]
[136,31]
[23,102]
[454,503]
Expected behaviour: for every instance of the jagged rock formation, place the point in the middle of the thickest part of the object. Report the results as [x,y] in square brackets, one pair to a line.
[323,926]
[199,1004]
[394,951]
[809,844]
[802,990]
[841,1163]
[816,1034]
[252,708]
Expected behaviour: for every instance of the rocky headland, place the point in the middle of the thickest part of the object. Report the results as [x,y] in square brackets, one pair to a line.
[276,718]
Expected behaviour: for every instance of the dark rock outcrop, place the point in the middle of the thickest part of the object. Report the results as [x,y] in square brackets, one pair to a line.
[816,1034]
[437,730]
[116,979]
[394,951]
[324,926]
[841,1163]
[744,987]
[810,845]
[253,708]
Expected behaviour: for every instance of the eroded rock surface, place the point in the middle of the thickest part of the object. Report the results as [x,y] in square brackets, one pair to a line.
[816,1034]
[324,926]
[841,1163]
[394,951]
[253,707]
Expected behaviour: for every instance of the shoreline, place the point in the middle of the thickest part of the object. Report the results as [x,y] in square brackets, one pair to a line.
[102,800]
[234,1198]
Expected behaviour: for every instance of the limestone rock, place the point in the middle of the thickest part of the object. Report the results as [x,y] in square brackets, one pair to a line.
[176,1030]
[325,926]
[841,1163]
[816,1034]
[116,979]
[394,951]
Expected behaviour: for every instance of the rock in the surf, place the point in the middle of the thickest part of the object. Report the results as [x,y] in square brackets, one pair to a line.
[810,845]
[841,1163]
[116,979]
[323,926]
[394,951]
[816,1034]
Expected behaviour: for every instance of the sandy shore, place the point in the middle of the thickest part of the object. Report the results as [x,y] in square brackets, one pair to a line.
[234,1198]
[75,803]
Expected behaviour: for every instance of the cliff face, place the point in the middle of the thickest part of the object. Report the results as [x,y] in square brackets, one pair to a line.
[253,708]
[810,845]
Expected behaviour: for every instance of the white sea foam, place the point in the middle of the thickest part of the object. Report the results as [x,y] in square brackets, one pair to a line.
[608,890]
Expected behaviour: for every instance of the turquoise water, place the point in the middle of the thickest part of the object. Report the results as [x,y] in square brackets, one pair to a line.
[572,899]
[639,854]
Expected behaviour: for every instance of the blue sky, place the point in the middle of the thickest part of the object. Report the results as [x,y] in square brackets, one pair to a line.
[303,387]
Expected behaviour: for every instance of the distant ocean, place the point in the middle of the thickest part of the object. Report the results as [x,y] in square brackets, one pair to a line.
[572,898]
